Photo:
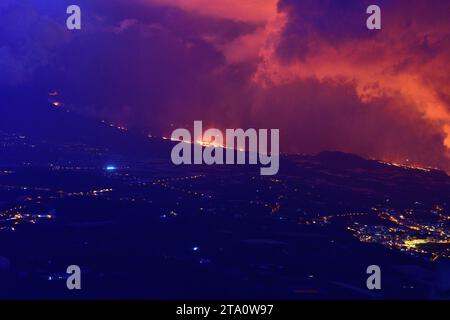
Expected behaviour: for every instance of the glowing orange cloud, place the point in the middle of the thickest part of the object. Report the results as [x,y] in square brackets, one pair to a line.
[256,11]
[387,65]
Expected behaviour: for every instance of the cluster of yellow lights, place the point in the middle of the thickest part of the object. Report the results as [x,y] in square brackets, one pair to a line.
[413,243]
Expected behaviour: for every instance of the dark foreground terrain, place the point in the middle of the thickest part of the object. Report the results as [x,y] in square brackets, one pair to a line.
[85,192]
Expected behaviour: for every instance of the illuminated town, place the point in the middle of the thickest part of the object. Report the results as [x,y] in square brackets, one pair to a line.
[405,232]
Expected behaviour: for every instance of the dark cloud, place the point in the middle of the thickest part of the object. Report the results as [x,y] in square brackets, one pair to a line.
[27,40]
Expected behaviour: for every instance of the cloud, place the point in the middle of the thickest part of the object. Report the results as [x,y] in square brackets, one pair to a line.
[309,68]
[253,11]
[404,63]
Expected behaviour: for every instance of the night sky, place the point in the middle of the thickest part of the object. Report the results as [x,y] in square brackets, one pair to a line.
[310,68]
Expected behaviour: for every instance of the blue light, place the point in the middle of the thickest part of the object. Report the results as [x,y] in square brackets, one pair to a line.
[195,248]
[111,168]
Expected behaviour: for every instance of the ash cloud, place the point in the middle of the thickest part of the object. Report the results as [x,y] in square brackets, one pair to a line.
[310,68]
